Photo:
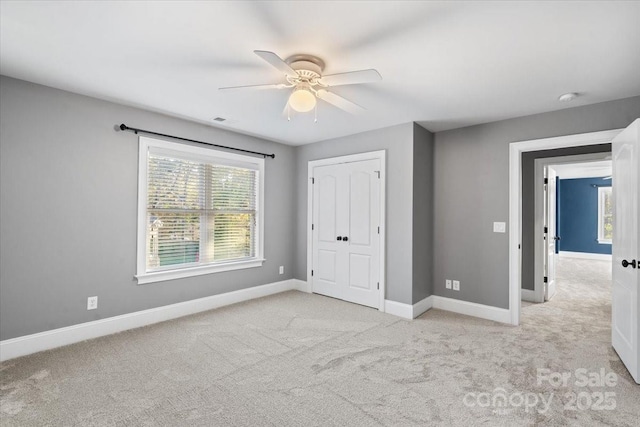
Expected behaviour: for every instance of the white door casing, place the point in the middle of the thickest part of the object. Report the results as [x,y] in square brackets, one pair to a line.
[625,331]
[515,200]
[346,201]
[550,235]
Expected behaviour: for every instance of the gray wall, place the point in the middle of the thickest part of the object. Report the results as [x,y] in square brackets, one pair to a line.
[398,143]
[68,210]
[528,203]
[68,186]
[472,191]
[423,187]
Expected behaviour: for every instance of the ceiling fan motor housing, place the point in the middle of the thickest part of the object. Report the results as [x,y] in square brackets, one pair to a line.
[307,66]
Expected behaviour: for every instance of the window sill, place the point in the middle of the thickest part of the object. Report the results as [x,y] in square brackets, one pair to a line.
[159,276]
[604,242]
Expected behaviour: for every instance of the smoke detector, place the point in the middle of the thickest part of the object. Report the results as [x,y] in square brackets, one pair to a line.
[568,97]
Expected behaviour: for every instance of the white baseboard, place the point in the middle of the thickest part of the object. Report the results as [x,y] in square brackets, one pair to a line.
[584,255]
[398,309]
[408,311]
[422,306]
[302,285]
[482,311]
[528,295]
[28,344]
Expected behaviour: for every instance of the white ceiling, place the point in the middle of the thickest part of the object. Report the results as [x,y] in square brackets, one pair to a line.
[444,64]
[584,170]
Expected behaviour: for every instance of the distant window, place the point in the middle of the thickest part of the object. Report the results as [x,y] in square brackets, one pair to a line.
[199,211]
[605,215]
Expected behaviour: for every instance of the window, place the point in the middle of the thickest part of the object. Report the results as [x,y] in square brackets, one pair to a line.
[199,211]
[605,215]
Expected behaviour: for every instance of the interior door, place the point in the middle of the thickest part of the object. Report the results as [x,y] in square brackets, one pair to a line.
[346,239]
[625,332]
[550,235]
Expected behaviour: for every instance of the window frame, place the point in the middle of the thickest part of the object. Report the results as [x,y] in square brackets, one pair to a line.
[205,155]
[601,205]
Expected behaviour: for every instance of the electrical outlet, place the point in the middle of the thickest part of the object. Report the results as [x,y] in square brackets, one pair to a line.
[282,269]
[447,284]
[92,303]
[456,285]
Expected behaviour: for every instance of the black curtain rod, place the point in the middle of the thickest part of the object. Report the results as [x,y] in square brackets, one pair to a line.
[136,131]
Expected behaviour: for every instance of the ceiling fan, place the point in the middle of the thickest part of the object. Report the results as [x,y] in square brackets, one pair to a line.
[303,73]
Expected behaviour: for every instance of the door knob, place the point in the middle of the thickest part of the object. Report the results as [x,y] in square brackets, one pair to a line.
[626,263]
[345,238]
[339,238]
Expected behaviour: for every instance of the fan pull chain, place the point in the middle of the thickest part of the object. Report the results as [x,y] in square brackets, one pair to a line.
[288,112]
[315,113]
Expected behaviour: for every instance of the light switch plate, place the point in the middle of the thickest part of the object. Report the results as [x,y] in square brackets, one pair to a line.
[447,284]
[456,285]
[499,227]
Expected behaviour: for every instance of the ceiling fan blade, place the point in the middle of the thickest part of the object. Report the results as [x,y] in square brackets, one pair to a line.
[270,86]
[277,62]
[340,102]
[351,78]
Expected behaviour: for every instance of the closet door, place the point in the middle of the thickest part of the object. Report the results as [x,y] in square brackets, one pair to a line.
[346,239]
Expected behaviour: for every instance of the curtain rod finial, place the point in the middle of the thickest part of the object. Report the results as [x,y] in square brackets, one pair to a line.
[123,126]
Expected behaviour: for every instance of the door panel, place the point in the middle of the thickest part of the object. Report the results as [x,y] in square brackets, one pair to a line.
[625,332]
[346,206]
[360,271]
[327,194]
[327,266]
[360,206]
[327,250]
[550,244]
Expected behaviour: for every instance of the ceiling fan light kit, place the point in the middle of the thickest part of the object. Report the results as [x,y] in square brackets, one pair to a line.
[302,100]
[303,73]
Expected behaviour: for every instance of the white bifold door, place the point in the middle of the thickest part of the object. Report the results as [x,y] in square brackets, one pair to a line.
[345,230]
[625,331]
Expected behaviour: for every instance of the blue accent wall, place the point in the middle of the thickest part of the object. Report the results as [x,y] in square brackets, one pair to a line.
[577,209]
[558,225]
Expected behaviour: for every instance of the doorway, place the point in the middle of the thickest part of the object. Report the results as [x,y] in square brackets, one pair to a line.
[625,302]
[516,237]
[346,211]
[570,224]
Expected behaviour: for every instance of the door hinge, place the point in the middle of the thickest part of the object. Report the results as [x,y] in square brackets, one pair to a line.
[378,285]
[312,272]
[378,173]
[312,227]
[546,180]
[378,229]
[546,230]
[313,180]
[546,279]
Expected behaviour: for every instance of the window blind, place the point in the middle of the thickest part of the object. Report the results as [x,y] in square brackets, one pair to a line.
[199,212]
[605,214]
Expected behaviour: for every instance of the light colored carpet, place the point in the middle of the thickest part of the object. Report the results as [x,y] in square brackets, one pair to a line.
[296,359]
